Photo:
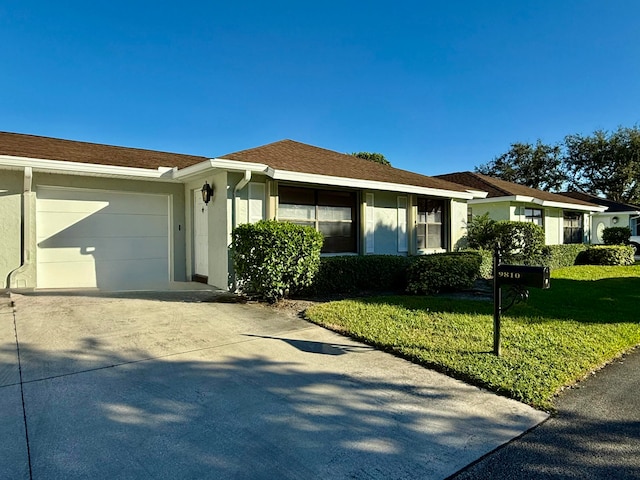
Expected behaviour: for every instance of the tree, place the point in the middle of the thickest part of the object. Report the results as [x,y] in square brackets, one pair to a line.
[373,157]
[605,164]
[537,166]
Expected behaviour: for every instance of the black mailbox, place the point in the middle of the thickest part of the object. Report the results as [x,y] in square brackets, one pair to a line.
[528,276]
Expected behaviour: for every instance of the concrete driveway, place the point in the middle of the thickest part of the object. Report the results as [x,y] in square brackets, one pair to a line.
[114,386]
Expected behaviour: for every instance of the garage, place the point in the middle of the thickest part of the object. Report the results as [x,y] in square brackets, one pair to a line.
[104,239]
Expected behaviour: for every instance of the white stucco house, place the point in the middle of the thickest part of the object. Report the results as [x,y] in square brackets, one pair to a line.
[564,219]
[617,214]
[83,215]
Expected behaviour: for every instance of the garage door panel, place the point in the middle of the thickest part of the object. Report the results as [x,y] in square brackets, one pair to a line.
[74,225]
[108,249]
[122,275]
[52,199]
[108,240]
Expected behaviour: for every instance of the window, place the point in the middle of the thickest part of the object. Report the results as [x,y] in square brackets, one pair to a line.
[332,213]
[430,233]
[573,231]
[534,215]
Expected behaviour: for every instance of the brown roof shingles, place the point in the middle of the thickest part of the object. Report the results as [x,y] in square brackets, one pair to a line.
[32,146]
[292,156]
[501,188]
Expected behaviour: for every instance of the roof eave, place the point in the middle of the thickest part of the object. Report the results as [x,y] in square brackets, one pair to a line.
[543,203]
[165,174]
[317,179]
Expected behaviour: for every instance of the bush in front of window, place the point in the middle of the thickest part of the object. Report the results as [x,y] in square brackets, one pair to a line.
[274,259]
[609,255]
[481,232]
[347,274]
[443,272]
[520,242]
[558,256]
[616,235]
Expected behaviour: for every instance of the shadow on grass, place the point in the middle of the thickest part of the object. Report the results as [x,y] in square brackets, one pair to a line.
[610,300]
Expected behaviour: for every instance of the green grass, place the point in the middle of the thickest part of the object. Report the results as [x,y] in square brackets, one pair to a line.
[588,317]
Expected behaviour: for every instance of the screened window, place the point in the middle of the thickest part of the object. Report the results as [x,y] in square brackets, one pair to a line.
[573,227]
[534,215]
[332,213]
[429,231]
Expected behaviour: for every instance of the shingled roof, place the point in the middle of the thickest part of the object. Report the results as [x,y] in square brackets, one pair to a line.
[46,148]
[612,206]
[292,156]
[500,188]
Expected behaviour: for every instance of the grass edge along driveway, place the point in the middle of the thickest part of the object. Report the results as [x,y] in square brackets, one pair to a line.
[587,318]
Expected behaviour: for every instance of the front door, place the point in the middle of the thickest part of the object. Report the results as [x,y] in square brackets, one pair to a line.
[201,236]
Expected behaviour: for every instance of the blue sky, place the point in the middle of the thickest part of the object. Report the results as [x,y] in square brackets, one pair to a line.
[437,87]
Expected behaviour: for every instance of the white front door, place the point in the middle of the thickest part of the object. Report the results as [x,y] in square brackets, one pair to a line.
[200,235]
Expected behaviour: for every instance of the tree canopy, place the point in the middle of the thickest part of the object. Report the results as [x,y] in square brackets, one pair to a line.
[536,166]
[373,157]
[604,163]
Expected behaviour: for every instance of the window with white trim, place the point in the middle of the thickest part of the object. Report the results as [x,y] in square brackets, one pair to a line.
[534,215]
[429,231]
[573,230]
[331,212]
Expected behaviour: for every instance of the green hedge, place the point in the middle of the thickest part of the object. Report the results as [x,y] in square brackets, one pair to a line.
[609,255]
[558,256]
[616,235]
[360,273]
[274,259]
[443,272]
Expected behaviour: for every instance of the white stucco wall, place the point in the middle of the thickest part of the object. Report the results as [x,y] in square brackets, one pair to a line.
[11,186]
[458,223]
[385,222]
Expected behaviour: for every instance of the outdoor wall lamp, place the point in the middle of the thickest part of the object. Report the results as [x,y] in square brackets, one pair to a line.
[614,220]
[207,193]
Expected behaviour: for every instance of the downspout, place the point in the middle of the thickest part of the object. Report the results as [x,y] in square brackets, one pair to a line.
[234,220]
[25,258]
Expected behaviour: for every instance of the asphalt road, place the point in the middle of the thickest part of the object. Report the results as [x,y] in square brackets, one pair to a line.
[595,434]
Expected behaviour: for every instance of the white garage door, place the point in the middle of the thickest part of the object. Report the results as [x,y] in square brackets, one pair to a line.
[109,240]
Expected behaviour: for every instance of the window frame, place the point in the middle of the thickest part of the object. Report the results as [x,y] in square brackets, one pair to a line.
[322,197]
[575,231]
[442,223]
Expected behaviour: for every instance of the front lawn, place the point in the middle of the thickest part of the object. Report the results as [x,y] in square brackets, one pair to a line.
[588,317]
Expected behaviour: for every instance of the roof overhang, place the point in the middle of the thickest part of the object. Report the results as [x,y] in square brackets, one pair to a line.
[165,174]
[542,203]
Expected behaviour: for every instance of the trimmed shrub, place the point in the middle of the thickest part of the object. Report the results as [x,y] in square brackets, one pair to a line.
[616,235]
[355,273]
[558,256]
[520,242]
[481,232]
[274,259]
[443,272]
[486,264]
[610,255]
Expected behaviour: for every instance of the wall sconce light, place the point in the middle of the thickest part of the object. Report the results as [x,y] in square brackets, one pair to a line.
[207,193]
[614,220]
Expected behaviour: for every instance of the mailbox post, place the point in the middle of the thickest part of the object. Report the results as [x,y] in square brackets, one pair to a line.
[518,277]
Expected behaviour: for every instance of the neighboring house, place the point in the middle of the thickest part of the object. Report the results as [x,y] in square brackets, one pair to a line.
[564,219]
[76,214]
[617,215]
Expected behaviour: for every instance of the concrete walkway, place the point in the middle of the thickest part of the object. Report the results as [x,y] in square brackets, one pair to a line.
[152,386]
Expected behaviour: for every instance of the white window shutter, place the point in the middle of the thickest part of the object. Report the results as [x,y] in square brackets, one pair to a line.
[370,226]
[256,202]
[403,240]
